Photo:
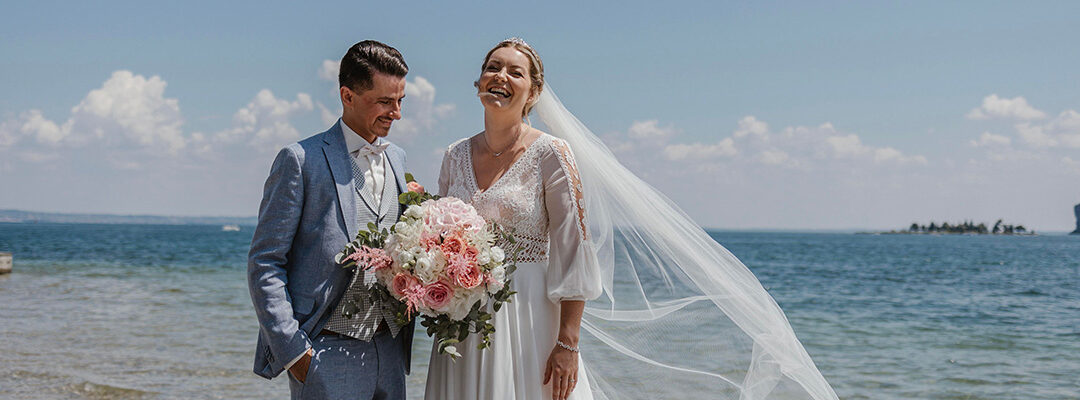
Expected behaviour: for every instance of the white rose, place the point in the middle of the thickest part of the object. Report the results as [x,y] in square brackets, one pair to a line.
[499,274]
[414,211]
[457,309]
[497,254]
[404,256]
[498,277]
[425,269]
[483,258]
[462,302]
[406,234]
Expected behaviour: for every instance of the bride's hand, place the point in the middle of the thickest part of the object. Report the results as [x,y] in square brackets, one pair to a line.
[562,367]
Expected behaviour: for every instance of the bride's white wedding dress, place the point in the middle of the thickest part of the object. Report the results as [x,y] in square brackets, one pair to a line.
[671,313]
[539,197]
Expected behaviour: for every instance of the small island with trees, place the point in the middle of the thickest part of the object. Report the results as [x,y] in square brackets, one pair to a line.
[963,228]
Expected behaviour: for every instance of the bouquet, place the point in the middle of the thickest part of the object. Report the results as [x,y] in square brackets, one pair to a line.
[439,261]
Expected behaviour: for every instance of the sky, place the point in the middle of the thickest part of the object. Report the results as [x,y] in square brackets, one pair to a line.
[764,115]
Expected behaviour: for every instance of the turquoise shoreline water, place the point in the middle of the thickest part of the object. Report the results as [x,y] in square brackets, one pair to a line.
[157,311]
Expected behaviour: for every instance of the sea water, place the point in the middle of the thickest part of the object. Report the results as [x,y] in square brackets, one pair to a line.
[162,311]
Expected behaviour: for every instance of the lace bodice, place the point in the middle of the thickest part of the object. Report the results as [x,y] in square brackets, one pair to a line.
[516,199]
[540,199]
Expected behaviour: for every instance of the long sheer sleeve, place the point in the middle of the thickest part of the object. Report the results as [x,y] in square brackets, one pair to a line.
[573,270]
[444,173]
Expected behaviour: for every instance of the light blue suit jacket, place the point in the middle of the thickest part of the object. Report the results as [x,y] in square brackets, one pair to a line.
[308,213]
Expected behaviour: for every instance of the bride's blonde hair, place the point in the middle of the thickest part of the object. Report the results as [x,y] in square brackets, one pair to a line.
[536,68]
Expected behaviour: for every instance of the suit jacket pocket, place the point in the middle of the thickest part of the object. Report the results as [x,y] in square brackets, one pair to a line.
[302,307]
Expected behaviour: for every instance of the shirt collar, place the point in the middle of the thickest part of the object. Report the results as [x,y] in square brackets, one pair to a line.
[353,141]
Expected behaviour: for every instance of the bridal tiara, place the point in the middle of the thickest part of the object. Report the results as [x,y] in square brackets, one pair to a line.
[517,40]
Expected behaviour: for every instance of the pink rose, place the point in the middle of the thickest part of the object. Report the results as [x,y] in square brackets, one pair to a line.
[470,253]
[454,244]
[404,283]
[415,187]
[437,295]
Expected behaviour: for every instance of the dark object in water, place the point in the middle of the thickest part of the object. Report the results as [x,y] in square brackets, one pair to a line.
[5,263]
[1076,210]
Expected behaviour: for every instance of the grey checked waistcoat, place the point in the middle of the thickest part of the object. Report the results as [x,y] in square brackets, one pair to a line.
[366,320]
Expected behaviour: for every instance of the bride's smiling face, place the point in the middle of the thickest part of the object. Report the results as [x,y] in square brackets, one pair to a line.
[504,84]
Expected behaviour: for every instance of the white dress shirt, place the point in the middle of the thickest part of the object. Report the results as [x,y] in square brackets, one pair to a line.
[374,166]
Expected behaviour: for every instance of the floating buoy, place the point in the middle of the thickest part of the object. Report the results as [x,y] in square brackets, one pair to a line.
[5,263]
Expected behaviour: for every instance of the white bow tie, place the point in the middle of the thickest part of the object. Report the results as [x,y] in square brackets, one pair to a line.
[372,149]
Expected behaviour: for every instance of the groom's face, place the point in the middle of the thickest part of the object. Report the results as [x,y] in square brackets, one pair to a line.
[371,112]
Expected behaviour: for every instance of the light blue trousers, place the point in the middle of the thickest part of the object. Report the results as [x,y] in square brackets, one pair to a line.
[347,368]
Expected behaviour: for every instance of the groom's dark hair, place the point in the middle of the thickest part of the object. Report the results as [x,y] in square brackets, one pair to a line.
[365,58]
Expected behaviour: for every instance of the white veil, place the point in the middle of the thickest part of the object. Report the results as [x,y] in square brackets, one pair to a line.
[680,316]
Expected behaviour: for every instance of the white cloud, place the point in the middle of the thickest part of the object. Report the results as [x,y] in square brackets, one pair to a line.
[36,125]
[850,146]
[749,125]
[699,151]
[798,147]
[38,157]
[133,106]
[9,133]
[847,145]
[328,117]
[420,112]
[265,123]
[32,124]
[889,154]
[753,144]
[989,139]
[1062,131]
[127,109]
[1035,135]
[650,130]
[1067,121]
[804,146]
[996,107]
[1071,164]
[774,157]
[329,70]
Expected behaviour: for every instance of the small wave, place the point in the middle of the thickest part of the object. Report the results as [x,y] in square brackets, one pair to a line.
[1032,292]
[970,381]
[100,391]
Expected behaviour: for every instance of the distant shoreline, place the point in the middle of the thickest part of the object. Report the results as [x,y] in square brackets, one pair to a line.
[944,233]
[31,217]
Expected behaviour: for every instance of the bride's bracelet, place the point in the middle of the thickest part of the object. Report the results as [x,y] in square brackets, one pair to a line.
[566,346]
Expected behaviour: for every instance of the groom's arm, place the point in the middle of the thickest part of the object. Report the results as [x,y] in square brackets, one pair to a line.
[279,217]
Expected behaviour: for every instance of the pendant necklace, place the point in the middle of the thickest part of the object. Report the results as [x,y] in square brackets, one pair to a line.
[499,153]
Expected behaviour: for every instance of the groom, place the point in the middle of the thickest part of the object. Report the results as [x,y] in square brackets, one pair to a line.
[320,192]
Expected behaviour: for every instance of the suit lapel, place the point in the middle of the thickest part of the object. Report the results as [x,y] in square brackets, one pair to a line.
[395,171]
[398,166]
[388,191]
[337,157]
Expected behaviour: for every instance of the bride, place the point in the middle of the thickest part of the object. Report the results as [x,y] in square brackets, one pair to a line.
[620,295]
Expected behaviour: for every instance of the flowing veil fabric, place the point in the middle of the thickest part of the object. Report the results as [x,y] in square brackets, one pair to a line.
[680,316]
